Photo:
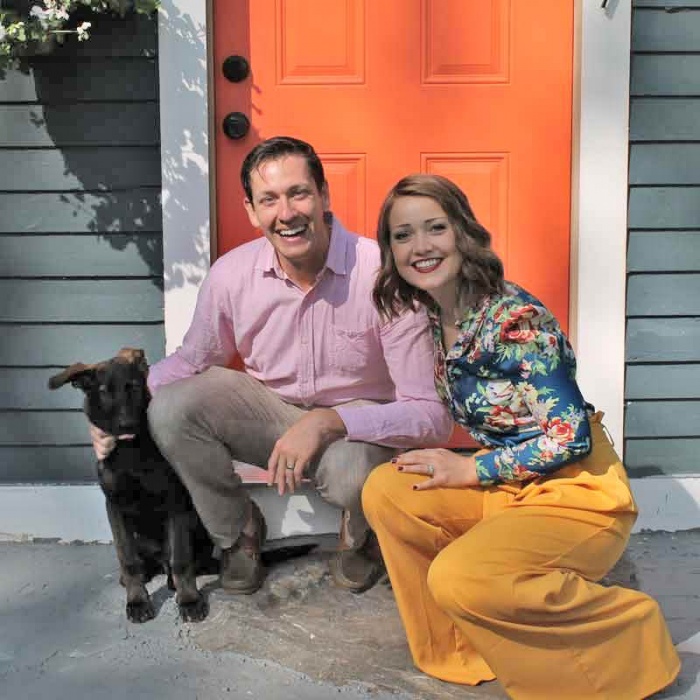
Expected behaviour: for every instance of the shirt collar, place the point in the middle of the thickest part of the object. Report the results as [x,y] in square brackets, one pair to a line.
[336,260]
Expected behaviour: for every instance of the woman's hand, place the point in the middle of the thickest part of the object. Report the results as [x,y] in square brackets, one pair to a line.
[444,468]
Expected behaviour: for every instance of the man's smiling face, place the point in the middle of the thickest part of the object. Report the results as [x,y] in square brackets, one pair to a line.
[288,207]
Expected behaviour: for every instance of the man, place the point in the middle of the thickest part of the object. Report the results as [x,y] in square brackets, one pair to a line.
[330,388]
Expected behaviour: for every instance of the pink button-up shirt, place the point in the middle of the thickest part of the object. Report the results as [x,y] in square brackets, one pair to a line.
[323,347]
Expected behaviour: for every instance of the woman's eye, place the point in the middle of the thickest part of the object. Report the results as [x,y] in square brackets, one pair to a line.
[399,235]
[438,228]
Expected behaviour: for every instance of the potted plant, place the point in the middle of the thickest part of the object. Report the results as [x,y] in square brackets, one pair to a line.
[30,27]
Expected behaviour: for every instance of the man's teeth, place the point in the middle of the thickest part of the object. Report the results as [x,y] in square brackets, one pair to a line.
[289,232]
[424,264]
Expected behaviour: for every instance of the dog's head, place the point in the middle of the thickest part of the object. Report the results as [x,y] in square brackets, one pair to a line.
[116,395]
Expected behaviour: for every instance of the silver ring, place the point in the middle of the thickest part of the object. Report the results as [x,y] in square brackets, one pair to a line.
[431,470]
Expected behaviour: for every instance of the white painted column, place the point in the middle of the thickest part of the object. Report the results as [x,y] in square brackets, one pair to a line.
[184,133]
[599,225]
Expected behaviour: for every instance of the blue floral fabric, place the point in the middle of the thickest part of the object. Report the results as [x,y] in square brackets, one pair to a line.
[510,379]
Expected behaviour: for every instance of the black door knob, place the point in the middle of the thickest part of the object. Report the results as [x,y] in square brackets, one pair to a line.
[236,68]
[236,125]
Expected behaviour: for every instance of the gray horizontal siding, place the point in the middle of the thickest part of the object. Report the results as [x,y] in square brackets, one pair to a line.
[80,301]
[666,5]
[664,419]
[26,388]
[81,259]
[663,251]
[663,340]
[663,295]
[99,80]
[115,124]
[665,163]
[665,74]
[664,207]
[662,456]
[47,464]
[81,212]
[37,428]
[66,255]
[26,345]
[653,119]
[643,382]
[86,168]
[662,378]
[657,30]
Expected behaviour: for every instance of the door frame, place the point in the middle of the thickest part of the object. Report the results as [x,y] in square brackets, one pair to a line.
[599,184]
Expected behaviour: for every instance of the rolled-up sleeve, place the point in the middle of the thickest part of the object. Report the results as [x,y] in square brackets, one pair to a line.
[417,417]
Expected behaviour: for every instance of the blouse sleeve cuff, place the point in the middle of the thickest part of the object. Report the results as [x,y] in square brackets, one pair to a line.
[486,470]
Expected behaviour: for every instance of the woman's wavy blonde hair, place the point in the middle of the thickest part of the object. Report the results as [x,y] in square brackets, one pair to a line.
[482,269]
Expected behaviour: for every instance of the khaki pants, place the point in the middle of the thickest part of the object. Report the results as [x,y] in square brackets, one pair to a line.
[500,582]
[204,422]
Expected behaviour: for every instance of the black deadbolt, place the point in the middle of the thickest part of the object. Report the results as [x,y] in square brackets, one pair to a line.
[236,125]
[236,68]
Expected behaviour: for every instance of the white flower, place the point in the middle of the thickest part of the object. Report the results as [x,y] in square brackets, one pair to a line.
[83,31]
[2,32]
[40,13]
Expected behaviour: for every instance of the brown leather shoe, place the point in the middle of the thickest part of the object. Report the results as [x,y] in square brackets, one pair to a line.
[357,570]
[242,571]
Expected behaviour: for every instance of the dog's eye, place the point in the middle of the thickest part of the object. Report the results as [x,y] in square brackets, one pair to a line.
[103,389]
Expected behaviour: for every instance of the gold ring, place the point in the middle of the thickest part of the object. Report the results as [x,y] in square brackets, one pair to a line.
[290,468]
[431,470]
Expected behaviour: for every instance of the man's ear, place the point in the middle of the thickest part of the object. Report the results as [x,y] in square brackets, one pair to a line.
[252,216]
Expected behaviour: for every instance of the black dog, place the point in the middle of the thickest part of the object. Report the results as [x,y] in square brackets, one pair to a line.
[154,525]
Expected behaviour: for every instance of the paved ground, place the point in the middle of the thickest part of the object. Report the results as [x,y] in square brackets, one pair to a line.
[63,634]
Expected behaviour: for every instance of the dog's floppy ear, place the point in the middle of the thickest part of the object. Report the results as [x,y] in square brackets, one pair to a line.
[79,375]
[135,356]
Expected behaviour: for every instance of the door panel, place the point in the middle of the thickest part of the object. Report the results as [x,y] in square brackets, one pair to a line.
[477,90]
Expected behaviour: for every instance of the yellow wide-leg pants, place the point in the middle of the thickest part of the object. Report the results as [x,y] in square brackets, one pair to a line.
[501,582]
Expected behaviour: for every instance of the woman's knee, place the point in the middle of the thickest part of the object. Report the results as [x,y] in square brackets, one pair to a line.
[379,492]
[464,588]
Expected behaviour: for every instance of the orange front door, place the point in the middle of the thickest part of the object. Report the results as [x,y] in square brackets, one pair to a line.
[477,90]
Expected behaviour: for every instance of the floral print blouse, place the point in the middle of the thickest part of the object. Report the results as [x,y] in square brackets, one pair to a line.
[510,379]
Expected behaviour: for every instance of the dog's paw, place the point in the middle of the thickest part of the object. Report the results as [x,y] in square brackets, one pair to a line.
[140,612]
[195,611]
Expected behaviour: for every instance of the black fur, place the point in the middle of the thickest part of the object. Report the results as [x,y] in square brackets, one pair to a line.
[154,524]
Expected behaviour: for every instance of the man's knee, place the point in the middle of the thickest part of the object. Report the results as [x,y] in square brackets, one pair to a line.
[344,469]
[172,409]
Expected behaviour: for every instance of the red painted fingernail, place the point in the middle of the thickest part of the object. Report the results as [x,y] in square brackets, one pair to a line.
[400,469]
[393,460]
[414,487]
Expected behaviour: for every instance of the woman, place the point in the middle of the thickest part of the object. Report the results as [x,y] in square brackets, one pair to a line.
[494,556]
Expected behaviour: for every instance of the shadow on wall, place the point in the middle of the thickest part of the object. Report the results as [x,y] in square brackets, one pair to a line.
[98,105]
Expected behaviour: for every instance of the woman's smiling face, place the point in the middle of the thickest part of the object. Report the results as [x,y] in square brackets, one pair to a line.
[424,247]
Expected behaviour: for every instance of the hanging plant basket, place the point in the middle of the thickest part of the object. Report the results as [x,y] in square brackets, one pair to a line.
[35,27]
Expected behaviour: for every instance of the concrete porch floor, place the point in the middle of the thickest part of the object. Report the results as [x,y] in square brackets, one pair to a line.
[65,637]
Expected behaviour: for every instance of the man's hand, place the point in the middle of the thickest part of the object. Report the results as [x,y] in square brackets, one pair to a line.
[444,468]
[103,443]
[294,451]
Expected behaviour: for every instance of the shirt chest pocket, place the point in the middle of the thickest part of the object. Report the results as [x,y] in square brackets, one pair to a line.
[354,350]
